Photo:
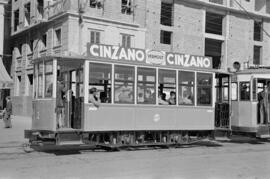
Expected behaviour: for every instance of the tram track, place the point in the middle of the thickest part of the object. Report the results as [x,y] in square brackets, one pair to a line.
[16,152]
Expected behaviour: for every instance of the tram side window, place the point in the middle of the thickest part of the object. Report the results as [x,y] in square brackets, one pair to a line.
[146,86]
[244,91]
[186,88]
[48,79]
[100,78]
[204,89]
[40,80]
[124,84]
[167,87]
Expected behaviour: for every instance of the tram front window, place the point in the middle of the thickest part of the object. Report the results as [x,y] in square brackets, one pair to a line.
[100,78]
[146,86]
[244,91]
[124,84]
[186,87]
[204,89]
[167,87]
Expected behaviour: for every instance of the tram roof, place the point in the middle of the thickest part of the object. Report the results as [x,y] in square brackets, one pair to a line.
[74,59]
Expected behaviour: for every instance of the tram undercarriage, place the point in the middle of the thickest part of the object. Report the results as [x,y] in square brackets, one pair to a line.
[114,140]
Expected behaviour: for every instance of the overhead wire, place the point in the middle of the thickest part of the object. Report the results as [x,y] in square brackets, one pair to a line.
[250,16]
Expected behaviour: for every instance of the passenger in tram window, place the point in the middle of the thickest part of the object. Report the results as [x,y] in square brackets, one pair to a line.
[186,99]
[140,98]
[245,94]
[60,102]
[126,94]
[103,97]
[162,99]
[172,98]
[148,97]
[93,97]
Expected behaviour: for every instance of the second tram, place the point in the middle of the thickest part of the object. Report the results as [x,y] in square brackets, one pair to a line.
[250,102]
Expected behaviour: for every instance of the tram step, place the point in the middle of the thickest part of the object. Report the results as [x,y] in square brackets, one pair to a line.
[70,143]
[69,138]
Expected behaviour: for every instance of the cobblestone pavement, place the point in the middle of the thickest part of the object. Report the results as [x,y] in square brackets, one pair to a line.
[240,157]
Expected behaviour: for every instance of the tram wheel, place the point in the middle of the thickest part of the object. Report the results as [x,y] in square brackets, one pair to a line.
[27,147]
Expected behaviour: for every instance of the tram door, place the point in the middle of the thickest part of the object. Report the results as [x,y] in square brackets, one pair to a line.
[261,95]
[222,105]
[74,98]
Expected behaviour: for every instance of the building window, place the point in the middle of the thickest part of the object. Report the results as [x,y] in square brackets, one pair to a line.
[244,91]
[213,23]
[165,37]
[27,8]
[30,84]
[95,37]
[124,84]
[126,7]
[213,48]
[146,86]
[257,55]
[167,87]
[57,37]
[100,77]
[257,35]
[16,20]
[19,81]
[48,79]
[186,88]
[126,40]
[44,41]
[31,45]
[95,4]
[40,9]
[204,89]
[20,49]
[166,16]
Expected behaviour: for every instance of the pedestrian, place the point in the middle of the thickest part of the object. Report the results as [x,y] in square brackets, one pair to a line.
[7,113]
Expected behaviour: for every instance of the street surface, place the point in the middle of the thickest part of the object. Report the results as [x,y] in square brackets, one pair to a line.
[240,157]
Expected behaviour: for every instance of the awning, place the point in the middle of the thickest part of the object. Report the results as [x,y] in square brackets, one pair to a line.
[5,80]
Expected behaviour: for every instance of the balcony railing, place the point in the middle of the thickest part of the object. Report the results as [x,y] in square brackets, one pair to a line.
[221,2]
[55,8]
[18,64]
[29,62]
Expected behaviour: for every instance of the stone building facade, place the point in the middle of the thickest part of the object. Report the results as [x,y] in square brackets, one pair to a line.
[226,30]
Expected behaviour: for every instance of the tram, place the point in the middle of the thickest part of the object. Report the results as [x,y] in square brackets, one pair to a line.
[250,102]
[146,97]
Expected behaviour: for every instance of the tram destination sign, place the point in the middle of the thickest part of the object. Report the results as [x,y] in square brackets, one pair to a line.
[153,57]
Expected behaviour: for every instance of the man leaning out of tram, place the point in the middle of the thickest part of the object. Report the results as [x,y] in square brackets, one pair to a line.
[93,97]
